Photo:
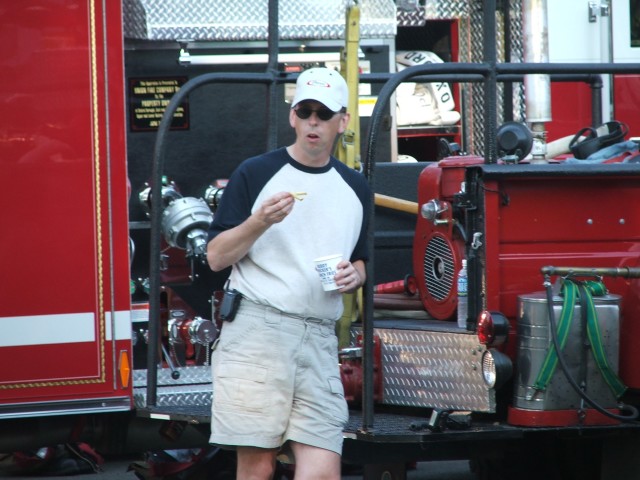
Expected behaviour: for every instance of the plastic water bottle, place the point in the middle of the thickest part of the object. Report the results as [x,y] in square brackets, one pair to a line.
[463,299]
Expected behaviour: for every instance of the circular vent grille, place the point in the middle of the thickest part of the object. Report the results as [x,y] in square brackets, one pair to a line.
[439,268]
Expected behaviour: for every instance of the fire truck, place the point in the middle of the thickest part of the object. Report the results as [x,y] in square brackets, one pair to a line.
[125,119]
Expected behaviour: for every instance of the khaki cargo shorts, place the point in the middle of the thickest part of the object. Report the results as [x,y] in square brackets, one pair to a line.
[276,378]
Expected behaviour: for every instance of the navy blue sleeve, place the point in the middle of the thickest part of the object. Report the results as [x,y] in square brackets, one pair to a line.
[234,207]
[242,190]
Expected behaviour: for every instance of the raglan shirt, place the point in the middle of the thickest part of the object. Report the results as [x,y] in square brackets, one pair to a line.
[279,269]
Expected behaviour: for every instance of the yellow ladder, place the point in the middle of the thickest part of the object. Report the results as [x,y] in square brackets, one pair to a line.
[348,148]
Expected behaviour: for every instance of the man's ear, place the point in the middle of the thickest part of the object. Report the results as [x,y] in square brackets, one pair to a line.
[292,121]
[344,122]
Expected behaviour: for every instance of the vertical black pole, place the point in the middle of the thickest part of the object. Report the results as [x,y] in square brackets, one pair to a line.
[596,85]
[272,68]
[367,320]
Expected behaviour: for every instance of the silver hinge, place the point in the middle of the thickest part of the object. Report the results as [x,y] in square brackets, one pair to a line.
[598,8]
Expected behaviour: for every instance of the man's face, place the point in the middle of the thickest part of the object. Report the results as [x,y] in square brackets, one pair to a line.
[317,129]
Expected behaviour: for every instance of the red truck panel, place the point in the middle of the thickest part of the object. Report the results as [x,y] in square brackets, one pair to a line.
[64,291]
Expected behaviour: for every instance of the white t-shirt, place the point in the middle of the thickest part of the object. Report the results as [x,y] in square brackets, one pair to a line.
[279,269]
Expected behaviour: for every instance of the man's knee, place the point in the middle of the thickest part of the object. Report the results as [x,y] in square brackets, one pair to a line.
[255,463]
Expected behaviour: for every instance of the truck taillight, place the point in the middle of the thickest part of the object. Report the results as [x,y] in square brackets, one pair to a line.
[492,328]
[496,368]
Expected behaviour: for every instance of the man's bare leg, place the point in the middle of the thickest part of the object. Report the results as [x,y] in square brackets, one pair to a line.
[255,463]
[313,463]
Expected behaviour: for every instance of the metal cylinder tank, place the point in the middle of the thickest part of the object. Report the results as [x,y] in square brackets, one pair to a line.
[534,340]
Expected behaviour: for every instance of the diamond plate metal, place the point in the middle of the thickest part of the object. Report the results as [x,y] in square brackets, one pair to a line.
[412,19]
[181,395]
[435,369]
[134,19]
[476,105]
[517,55]
[474,100]
[410,13]
[224,20]
[188,375]
[441,9]
[193,387]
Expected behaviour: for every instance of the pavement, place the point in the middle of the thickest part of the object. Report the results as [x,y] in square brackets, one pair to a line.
[119,468]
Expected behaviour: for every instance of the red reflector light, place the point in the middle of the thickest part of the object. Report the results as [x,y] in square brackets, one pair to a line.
[492,328]
[485,328]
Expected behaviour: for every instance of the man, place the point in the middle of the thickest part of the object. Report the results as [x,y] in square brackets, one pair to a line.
[275,368]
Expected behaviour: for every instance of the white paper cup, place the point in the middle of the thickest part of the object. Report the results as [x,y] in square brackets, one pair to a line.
[327,268]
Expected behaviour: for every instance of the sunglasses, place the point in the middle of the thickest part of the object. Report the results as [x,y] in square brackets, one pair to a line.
[323,114]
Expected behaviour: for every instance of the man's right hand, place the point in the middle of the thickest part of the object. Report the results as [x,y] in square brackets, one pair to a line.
[276,208]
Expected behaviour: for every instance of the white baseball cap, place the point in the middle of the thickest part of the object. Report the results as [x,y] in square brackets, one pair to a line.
[323,85]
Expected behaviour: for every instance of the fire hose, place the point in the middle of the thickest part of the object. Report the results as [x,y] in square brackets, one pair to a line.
[547,272]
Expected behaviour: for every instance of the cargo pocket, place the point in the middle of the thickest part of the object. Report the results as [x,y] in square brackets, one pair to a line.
[340,410]
[241,387]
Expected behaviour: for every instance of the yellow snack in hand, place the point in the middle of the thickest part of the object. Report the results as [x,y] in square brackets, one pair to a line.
[299,195]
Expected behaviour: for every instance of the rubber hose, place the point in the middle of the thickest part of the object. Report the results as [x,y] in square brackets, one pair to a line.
[565,369]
